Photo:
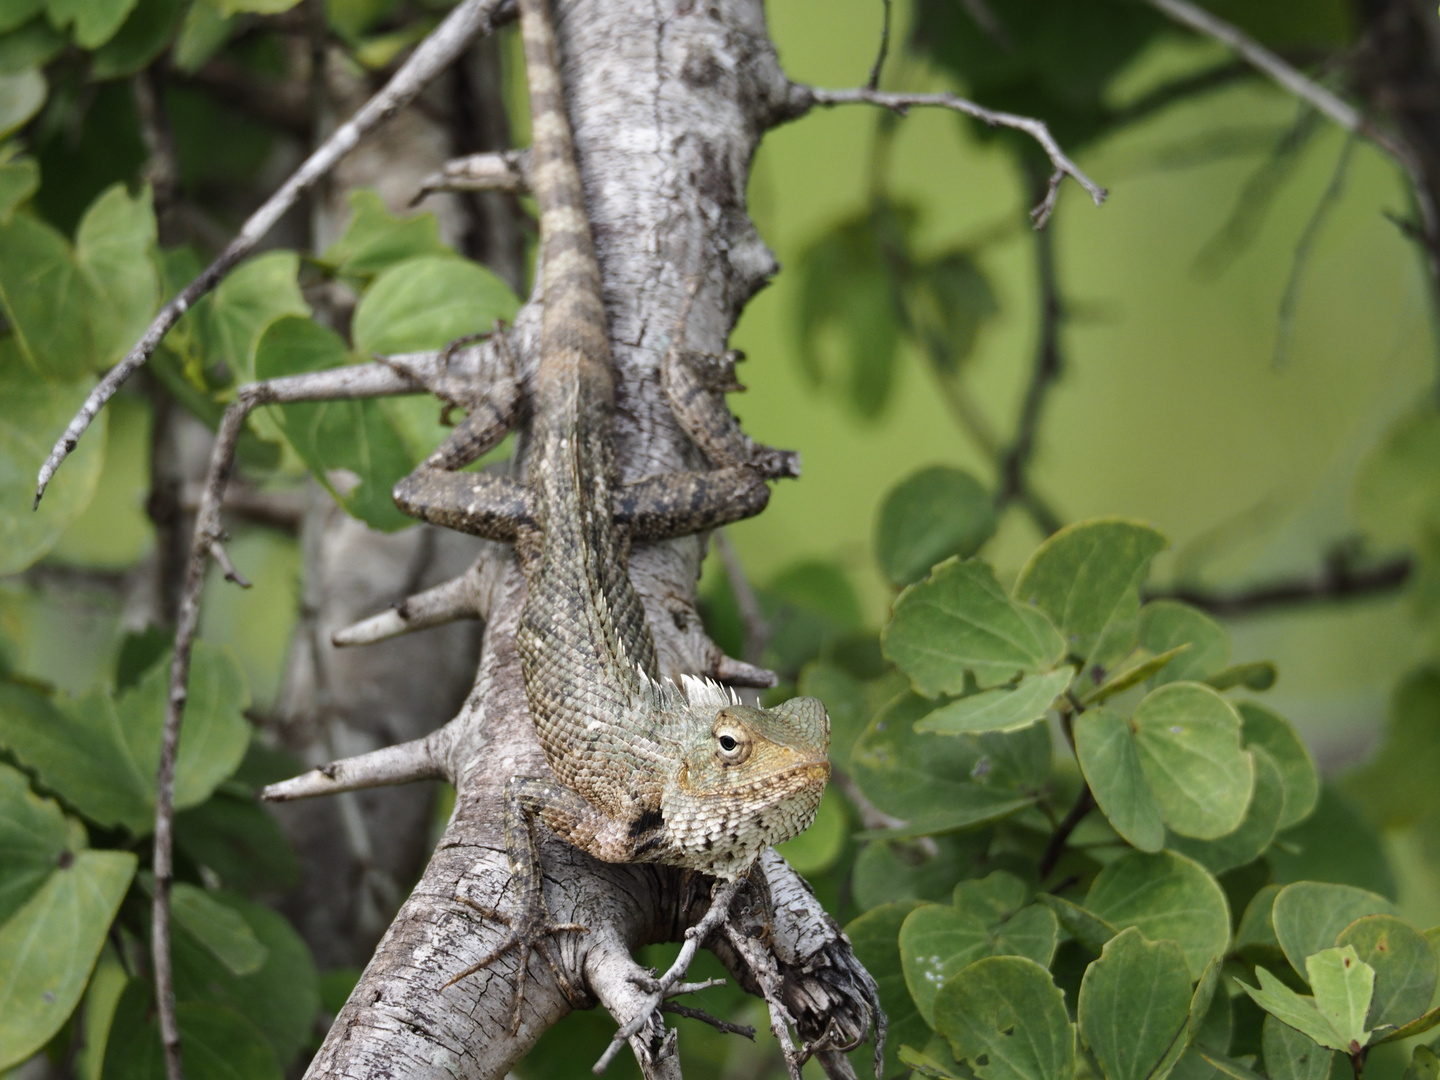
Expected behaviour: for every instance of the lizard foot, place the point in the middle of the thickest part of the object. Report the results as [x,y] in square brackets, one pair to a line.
[530,931]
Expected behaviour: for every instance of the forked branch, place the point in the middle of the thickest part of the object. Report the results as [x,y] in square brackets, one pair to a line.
[1036,129]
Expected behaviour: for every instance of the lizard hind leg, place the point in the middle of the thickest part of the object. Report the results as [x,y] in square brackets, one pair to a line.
[529,924]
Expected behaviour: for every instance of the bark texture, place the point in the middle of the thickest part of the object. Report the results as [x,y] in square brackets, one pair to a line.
[668,100]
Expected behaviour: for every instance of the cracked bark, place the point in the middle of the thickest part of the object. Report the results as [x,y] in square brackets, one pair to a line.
[668,104]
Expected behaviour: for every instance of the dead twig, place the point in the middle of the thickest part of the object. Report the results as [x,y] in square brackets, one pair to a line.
[1036,129]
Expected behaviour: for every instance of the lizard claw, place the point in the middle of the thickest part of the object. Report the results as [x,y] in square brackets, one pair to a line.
[530,930]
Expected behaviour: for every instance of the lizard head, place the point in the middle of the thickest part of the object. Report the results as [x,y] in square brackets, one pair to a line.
[749,778]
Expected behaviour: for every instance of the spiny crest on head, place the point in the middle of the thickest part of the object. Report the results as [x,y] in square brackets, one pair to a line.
[692,691]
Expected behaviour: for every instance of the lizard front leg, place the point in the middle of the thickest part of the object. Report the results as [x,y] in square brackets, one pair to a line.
[530,925]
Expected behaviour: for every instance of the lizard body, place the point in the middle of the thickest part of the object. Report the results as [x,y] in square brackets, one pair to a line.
[644,770]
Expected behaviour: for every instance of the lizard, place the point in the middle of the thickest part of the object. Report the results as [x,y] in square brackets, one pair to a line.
[643,769]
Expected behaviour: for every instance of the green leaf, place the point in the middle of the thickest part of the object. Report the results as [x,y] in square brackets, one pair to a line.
[202,32]
[1397,487]
[19,179]
[46,298]
[1309,916]
[1087,578]
[1418,1026]
[849,317]
[256,7]
[1110,760]
[1200,1063]
[819,846]
[1002,709]
[1202,1004]
[1290,1008]
[989,917]
[241,842]
[1335,844]
[1257,927]
[948,300]
[875,938]
[22,93]
[1006,1019]
[1291,1054]
[216,1043]
[220,929]
[1424,1065]
[1142,666]
[1255,675]
[1344,986]
[1169,898]
[95,21]
[33,413]
[48,947]
[375,239]
[353,447]
[32,46]
[925,780]
[427,302]
[1188,739]
[15,13]
[257,292]
[112,246]
[1396,785]
[1271,732]
[1134,1007]
[959,620]
[1089,930]
[1405,967]
[1253,837]
[101,756]
[928,517]
[140,39]
[1166,624]
[845,704]
[35,839]
[281,998]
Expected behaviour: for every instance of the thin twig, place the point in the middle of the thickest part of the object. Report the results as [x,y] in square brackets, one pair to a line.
[714,1021]
[1305,88]
[1056,847]
[496,170]
[1036,129]
[1291,298]
[342,383]
[1334,583]
[874,81]
[471,19]
[720,901]
[1014,481]
[757,627]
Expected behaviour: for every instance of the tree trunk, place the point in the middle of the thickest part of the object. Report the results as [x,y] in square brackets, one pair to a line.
[667,111]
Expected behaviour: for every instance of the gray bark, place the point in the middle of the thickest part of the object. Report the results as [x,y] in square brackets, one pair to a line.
[668,102]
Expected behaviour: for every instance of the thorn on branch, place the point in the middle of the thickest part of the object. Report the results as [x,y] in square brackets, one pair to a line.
[1036,129]
[222,559]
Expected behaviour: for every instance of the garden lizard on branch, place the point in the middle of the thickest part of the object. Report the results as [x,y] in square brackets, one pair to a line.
[644,770]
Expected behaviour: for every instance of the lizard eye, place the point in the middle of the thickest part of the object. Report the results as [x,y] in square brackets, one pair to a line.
[731,746]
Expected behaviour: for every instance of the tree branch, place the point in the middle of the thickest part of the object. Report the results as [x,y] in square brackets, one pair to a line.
[1335,583]
[471,19]
[1014,463]
[1036,129]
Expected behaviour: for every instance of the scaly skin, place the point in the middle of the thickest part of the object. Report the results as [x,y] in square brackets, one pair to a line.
[644,770]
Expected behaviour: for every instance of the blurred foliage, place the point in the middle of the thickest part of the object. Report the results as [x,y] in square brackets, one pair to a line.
[1073,841]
